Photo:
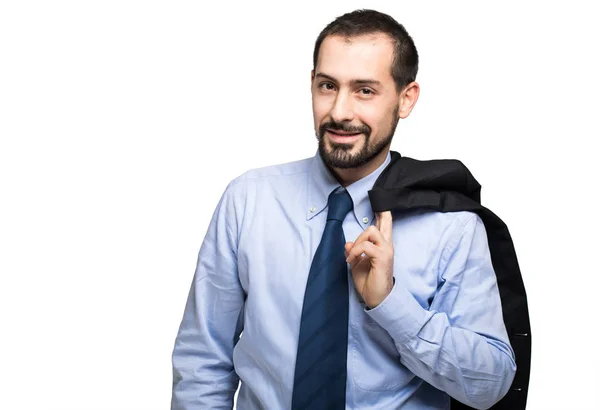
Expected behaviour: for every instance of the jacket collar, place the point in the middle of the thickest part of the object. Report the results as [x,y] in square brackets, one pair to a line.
[321,182]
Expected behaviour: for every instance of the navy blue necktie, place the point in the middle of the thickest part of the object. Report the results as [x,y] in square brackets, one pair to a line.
[320,376]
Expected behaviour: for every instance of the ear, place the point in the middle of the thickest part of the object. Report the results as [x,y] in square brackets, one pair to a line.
[312,77]
[408,98]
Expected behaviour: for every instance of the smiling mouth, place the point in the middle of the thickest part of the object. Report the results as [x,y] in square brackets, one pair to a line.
[343,134]
[346,139]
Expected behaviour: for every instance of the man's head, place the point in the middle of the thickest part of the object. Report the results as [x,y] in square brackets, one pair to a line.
[363,82]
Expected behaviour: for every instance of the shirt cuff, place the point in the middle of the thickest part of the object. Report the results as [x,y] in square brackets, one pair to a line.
[399,314]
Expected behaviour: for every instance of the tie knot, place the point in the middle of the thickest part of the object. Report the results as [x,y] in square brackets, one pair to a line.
[339,203]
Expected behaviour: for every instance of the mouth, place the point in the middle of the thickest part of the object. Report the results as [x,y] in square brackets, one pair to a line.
[342,136]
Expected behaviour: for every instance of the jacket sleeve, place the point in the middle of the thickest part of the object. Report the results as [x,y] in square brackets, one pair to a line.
[203,373]
[460,344]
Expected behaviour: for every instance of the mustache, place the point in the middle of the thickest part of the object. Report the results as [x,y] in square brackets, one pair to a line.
[343,127]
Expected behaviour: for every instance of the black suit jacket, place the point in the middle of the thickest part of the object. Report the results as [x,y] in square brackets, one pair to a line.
[446,185]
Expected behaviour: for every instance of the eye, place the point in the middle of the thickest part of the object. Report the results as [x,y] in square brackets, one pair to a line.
[366,91]
[326,86]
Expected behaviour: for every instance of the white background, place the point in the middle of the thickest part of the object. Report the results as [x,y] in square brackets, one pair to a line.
[121,123]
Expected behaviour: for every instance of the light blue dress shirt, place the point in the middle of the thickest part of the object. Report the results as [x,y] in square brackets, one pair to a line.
[439,332]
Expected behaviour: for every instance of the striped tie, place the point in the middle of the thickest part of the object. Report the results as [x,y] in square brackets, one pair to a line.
[320,377]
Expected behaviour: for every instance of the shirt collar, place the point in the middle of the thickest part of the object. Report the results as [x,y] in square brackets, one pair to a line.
[322,182]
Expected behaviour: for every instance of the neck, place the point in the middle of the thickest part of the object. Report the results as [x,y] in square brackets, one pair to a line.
[347,176]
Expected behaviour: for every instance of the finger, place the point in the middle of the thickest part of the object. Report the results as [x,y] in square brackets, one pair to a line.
[371,234]
[385,225]
[360,252]
[355,255]
[365,248]
[347,248]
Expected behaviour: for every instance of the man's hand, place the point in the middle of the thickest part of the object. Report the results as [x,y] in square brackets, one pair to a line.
[372,272]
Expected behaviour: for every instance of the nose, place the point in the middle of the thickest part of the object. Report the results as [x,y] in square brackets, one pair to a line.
[342,109]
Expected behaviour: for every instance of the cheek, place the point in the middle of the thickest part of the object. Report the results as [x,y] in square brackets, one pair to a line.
[368,112]
[320,110]
[376,121]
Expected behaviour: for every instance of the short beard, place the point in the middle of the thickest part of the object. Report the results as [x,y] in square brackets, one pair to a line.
[339,157]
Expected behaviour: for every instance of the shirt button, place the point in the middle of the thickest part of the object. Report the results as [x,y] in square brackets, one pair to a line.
[365,220]
[313,209]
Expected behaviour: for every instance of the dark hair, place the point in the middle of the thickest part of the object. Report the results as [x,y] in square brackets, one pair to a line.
[359,22]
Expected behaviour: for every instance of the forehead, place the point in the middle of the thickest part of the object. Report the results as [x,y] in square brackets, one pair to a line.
[367,56]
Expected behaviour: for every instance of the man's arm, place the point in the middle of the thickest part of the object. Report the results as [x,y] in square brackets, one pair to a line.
[460,344]
[203,373]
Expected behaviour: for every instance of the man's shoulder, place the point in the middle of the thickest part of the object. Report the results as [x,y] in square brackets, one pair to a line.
[273,172]
[420,215]
[438,224]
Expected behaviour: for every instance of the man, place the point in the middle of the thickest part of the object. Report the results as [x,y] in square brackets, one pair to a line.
[415,316]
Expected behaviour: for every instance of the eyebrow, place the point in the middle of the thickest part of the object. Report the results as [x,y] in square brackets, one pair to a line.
[353,82]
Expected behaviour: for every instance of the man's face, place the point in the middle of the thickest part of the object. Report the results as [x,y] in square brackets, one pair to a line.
[354,99]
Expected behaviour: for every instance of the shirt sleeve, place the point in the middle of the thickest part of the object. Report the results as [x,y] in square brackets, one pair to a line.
[460,344]
[203,373]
